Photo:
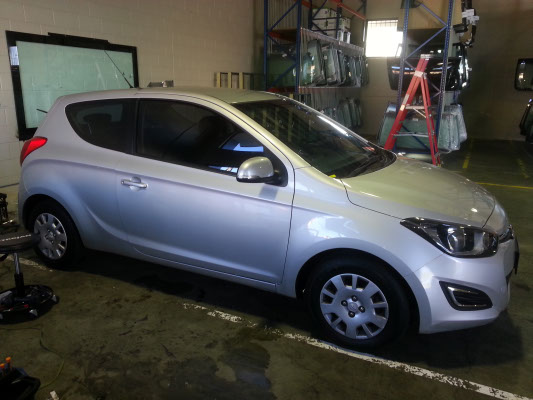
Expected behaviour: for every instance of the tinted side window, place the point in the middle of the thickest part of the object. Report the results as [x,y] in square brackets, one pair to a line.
[191,135]
[104,123]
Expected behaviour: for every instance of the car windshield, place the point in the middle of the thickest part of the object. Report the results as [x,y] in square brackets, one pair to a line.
[328,146]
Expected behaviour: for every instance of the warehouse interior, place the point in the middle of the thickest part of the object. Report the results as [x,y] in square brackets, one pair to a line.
[126,328]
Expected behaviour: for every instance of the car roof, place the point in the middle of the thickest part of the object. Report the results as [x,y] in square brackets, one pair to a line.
[224,94]
[230,96]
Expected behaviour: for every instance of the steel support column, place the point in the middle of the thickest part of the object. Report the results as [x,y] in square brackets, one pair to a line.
[440,108]
[265,43]
[403,56]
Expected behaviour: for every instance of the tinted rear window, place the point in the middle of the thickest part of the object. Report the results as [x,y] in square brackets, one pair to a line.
[104,123]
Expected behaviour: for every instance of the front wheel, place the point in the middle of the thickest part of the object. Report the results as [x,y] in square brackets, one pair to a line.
[60,244]
[357,302]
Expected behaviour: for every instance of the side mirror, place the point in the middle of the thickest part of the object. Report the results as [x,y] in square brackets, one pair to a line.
[256,170]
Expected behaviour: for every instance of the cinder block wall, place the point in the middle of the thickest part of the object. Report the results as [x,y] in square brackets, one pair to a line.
[184,40]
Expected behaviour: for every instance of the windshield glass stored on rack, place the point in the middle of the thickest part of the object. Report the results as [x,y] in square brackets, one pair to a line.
[326,145]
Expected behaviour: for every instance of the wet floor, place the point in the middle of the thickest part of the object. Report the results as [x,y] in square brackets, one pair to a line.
[125,329]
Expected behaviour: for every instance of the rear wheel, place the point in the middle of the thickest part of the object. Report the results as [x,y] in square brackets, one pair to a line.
[60,245]
[357,302]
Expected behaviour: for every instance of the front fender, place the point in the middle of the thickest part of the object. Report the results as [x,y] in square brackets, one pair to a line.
[367,231]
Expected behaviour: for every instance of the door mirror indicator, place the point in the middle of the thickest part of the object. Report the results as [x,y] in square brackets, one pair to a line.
[257,170]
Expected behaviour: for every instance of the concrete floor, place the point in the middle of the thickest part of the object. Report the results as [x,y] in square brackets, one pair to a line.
[125,329]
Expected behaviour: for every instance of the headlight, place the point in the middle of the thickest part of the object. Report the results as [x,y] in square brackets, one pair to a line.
[454,239]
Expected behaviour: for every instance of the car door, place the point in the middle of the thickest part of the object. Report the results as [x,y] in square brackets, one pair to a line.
[179,198]
[86,177]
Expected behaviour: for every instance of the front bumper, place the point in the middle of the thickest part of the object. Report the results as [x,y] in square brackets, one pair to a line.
[488,274]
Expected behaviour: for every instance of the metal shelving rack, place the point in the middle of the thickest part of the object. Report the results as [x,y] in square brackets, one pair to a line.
[446,28]
[275,34]
[340,6]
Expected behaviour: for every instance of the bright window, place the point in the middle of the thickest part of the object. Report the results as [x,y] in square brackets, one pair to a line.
[383,38]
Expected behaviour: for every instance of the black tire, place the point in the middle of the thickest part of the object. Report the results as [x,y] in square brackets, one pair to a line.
[71,249]
[356,306]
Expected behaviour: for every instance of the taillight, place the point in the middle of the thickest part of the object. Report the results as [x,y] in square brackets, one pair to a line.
[30,146]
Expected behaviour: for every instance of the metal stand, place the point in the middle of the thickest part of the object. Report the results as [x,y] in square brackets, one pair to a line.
[22,298]
[19,277]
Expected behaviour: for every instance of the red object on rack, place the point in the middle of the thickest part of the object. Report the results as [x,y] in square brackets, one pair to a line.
[419,80]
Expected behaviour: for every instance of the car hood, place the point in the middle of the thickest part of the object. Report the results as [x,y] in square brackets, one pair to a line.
[409,188]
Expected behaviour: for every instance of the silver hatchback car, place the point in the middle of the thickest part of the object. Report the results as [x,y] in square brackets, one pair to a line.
[261,190]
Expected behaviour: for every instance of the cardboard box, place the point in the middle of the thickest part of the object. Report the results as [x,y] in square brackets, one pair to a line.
[468,13]
[322,13]
[344,23]
[320,24]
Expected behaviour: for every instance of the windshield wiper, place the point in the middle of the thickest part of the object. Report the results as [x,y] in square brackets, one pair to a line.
[366,164]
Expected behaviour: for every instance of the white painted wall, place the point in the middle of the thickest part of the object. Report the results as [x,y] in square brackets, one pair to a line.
[184,40]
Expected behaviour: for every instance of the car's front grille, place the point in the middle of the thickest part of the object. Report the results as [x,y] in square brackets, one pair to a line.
[465,298]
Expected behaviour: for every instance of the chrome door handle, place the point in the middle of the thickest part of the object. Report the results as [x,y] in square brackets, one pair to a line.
[139,185]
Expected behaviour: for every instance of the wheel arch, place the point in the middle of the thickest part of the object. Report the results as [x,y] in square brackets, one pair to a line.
[311,265]
[35,199]
[31,202]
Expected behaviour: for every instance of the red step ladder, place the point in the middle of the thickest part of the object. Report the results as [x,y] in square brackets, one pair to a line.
[419,80]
